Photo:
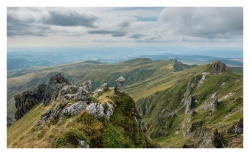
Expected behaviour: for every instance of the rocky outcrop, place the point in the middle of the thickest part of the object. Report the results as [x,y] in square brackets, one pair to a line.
[177,65]
[98,111]
[103,88]
[187,125]
[75,108]
[188,95]
[28,99]
[143,104]
[56,83]
[140,122]
[188,103]
[118,84]
[210,104]
[46,115]
[217,67]
[68,89]
[83,143]
[79,96]
[203,138]
[206,140]
[83,92]
[202,80]
[237,128]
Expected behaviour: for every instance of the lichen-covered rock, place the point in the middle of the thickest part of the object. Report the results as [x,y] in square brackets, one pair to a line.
[69,96]
[104,87]
[236,128]
[68,89]
[97,110]
[75,108]
[188,95]
[51,93]
[57,113]
[56,83]
[188,103]
[110,110]
[83,144]
[206,139]
[83,92]
[187,125]
[45,115]
[202,79]
[118,84]
[210,104]
[28,99]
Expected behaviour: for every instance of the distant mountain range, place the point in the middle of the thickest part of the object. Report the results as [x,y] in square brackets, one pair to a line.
[21,60]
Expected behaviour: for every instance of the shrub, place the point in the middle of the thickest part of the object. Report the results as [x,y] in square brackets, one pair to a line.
[69,138]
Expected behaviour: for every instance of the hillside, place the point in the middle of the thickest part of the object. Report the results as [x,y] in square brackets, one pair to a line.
[80,119]
[143,77]
[204,109]
[199,106]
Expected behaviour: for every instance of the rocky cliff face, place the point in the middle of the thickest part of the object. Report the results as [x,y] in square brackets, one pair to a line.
[55,84]
[144,104]
[188,94]
[178,66]
[28,99]
[43,93]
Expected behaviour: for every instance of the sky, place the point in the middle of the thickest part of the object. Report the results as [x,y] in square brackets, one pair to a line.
[220,27]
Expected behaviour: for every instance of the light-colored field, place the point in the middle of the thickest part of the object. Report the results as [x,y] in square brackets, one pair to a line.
[20,80]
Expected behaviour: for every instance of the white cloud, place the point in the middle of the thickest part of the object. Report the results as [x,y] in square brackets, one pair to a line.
[203,22]
[128,24]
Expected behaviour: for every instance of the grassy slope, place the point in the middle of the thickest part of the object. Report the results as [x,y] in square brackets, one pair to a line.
[143,77]
[167,130]
[159,76]
[20,128]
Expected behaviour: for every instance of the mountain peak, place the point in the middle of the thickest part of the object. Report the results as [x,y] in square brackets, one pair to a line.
[217,67]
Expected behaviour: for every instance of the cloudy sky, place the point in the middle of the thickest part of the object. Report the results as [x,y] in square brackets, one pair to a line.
[120,26]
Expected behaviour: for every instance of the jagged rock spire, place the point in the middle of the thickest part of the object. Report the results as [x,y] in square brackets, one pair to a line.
[118,84]
[55,84]
[83,92]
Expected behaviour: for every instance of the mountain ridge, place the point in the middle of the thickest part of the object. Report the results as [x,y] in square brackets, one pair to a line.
[178,116]
[104,118]
[177,107]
